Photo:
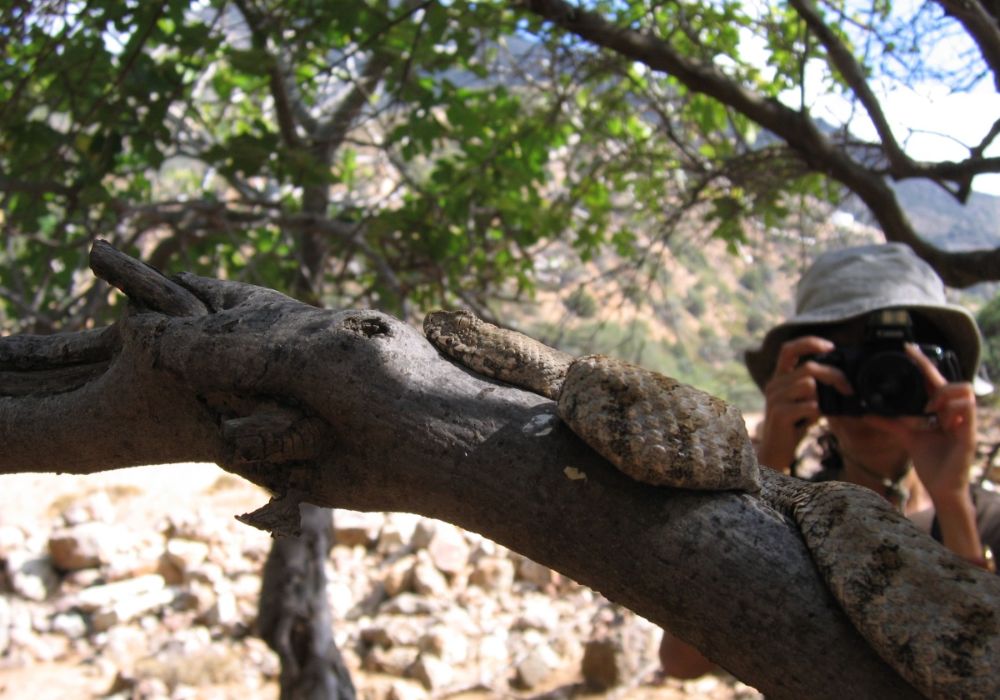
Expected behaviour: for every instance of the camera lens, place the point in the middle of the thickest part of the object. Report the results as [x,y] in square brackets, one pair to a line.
[890,384]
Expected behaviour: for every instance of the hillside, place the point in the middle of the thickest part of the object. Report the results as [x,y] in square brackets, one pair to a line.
[692,306]
[942,220]
[689,309]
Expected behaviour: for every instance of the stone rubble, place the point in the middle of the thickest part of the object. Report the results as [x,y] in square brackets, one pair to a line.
[422,610]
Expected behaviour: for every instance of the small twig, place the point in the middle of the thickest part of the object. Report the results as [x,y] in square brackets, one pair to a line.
[143,284]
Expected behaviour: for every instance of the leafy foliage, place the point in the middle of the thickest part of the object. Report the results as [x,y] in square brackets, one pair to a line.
[988,319]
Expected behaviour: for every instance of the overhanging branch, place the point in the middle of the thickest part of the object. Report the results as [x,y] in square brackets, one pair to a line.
[797,129]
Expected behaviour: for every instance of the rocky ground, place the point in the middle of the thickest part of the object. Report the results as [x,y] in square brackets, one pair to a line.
[140,584]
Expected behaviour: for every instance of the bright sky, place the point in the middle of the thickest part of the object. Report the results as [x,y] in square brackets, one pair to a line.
[931,124]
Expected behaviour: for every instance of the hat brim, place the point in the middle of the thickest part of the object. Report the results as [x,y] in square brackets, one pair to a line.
[955,322]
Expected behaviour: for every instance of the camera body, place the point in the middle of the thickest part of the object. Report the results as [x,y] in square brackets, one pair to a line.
[886,381]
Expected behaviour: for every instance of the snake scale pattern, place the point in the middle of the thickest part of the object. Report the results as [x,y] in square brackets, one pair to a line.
[929,614]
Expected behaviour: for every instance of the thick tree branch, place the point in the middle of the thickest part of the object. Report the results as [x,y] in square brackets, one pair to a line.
[331,132]
[356,409]
[982,27]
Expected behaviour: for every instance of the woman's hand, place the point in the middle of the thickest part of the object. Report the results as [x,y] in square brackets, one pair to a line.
[791,403]
[942,446]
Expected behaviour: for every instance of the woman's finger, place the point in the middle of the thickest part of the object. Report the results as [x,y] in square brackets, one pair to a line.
[829,375]
[792,352]
[956,413]
[935,380]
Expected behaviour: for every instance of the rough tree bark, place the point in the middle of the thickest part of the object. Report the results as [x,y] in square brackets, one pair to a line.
[355,409]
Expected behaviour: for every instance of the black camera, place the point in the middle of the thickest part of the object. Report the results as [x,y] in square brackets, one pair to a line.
[885,380]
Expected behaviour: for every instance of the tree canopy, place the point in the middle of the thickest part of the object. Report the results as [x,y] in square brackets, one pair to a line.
[391,154]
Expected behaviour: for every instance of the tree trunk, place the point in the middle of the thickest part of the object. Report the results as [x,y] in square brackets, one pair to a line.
[356,409]
[294,616]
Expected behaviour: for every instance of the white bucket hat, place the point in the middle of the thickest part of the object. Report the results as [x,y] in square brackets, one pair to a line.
[844,284]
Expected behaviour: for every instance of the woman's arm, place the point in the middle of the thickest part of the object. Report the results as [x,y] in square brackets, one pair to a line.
[942,447]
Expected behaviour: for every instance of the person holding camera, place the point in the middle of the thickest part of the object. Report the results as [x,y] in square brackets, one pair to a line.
[877,353]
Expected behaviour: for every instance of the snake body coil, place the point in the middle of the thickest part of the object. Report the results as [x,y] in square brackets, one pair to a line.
[929,614]
[653,428]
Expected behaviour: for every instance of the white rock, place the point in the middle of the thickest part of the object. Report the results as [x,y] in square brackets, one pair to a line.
[493,573]
[394,630]
[481,547]
[411,604]
[184,554]
[72,625]
[432,672]
[404,690]
[123,641]
[128,609]
[537,613]
[198,597]
[423,533]
[340,597]
[11,538]
[397,532]
[90,599]
[133,561]
[41,647]
[200,526]
[446,644]
[458,620]
[84,578]
[31,576]
[492,650]
[93,508]
[427,579]
[355,528]
[246,587]
[399,576]
[368,604]
[537,666]
[396,661]
[448,549]
[224,612]
[210,572]
[702,687]
[536,573]
[260,656]
[122,601]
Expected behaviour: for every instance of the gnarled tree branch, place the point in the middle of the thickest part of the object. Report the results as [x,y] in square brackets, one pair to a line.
[356,409]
